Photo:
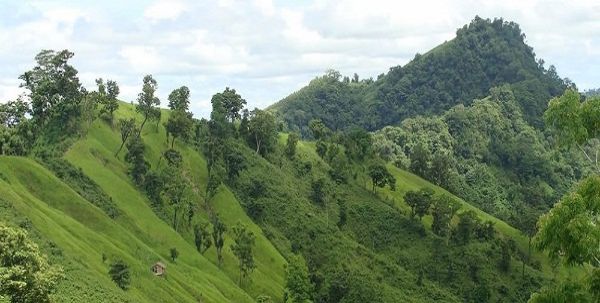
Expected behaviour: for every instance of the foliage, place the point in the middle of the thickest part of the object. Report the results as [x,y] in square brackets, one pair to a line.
[290,147]
[82,184]
[242,248]
[419,201]
[147,102]
[443,210]
[54,90]
[138,166]
[202,238]
[126,127]
[484,54]
[381,177]
[570,230]
[262,131]
[25,275]
[119,273]
[218,232]
[108,94]
[297,283]
[179,99]
[174,254]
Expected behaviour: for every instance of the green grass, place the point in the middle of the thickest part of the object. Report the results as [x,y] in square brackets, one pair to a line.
[83,232]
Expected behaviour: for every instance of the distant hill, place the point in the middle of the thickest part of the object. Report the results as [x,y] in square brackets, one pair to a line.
[484,54]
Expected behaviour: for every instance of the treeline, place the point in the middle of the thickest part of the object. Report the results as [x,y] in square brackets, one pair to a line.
[485,53]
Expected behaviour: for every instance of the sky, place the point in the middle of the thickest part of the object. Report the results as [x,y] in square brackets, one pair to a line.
[267,49]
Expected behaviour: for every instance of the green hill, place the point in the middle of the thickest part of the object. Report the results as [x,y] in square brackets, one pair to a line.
[378,252]
[484,54]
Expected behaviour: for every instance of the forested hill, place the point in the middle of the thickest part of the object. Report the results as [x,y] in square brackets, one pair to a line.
[485,53]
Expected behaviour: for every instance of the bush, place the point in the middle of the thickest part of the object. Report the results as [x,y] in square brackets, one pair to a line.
[119,273]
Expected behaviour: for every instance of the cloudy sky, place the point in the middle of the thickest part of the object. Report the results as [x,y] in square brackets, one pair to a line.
[266,49]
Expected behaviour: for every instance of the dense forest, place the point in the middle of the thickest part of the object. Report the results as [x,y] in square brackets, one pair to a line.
[485,54]
[424,185]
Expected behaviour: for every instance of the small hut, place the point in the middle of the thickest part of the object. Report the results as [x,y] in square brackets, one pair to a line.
[159,268]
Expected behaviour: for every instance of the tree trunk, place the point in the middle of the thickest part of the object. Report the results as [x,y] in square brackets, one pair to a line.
[257,144]
[172,141]
[120,147]
[175,219]
[142,126]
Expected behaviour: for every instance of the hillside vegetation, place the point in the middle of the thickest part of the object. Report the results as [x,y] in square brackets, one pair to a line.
[94,191]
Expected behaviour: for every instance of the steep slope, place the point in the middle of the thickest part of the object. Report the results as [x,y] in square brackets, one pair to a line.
[83,233]
[483,55]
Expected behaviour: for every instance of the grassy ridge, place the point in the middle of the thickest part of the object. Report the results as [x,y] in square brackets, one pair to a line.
[94,155]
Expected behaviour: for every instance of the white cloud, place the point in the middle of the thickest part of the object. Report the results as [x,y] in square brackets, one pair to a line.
[267,49]
[164,10]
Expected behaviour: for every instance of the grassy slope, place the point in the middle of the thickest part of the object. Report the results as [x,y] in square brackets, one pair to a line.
[83,232]
[95,156]
[408,181]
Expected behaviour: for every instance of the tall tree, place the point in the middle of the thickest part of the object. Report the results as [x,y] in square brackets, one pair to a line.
[263,130]
[290,147]
[232,102]
[443,210]
[218,235]
[147,101]
[202,238]
[176,189]
[179,99]
[179,125]
[25,275]
[54,89]
[138,166]
[127,127]
[242,248]
[109,98]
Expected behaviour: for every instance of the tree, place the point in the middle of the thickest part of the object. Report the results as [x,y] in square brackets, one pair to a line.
[318,191]
[318,129]
[467,223]
[25,275]
[442,211]
[381,177]
[109,98]
[174,254]
[290,147]
[570,232]
[242,249]
[138,166]
[297,282]
[419,201]
[179,99]
[232,103]
[218,233]
[176,189]
[147,102]
[54,89]
[13,112]
[262,130]
[419,159]
[234,163]
[321,148]
[202,238]
[119,273]
[127,127]
[179,125]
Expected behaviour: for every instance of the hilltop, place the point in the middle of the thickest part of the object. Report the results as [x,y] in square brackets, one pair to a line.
[484,54]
